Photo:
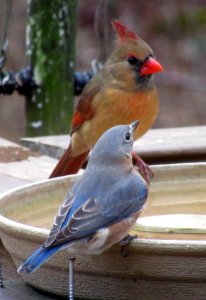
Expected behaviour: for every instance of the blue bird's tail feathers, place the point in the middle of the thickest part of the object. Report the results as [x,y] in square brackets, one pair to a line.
[37,259]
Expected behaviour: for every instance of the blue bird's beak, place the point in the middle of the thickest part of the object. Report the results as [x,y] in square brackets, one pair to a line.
[134,125]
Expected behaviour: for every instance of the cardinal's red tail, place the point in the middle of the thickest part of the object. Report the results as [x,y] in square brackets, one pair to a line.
[69,165]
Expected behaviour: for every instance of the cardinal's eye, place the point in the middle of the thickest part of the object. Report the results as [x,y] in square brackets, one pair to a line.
[132,60]
[127,137]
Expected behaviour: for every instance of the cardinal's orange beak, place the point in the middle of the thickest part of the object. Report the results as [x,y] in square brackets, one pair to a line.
[151,66]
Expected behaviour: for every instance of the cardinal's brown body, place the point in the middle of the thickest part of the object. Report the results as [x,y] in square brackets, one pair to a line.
[123,91]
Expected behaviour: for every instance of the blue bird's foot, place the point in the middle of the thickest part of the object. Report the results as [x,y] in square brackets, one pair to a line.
[125,242]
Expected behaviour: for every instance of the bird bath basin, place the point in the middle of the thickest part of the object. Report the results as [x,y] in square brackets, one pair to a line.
[169,254]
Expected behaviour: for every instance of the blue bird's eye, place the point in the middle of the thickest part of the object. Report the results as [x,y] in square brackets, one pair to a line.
[127,137]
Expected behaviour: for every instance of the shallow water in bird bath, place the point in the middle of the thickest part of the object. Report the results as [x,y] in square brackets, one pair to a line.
[38,211]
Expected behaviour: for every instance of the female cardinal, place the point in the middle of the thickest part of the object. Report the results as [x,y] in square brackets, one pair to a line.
[123,91]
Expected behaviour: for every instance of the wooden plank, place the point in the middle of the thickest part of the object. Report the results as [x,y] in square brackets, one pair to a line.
[30,169]
[53,146]
[157,146]
[9,182]
[173,145]
[10,151]
[20,165]
[6,143]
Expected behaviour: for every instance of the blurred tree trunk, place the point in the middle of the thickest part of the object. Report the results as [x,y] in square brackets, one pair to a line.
[51,50]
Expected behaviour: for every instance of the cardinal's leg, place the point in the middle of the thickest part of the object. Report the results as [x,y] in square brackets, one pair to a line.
[143,168]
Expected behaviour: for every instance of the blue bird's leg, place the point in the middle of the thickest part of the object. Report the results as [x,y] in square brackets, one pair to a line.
[125,242]
[71,278]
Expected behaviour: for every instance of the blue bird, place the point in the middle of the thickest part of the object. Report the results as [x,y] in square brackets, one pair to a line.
[102,206]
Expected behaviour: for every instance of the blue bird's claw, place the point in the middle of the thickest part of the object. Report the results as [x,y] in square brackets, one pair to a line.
[125,242]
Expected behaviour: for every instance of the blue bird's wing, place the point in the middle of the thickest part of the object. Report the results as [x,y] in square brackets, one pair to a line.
[119,202]
[84,221]
[45,251]
[62,214]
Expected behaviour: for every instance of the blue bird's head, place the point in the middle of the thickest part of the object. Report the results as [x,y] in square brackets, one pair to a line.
[114,144]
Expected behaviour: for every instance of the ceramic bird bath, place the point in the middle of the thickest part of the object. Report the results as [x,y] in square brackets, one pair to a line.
[169,254]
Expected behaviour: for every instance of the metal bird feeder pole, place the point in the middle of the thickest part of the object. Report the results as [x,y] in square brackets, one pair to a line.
[51,32]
